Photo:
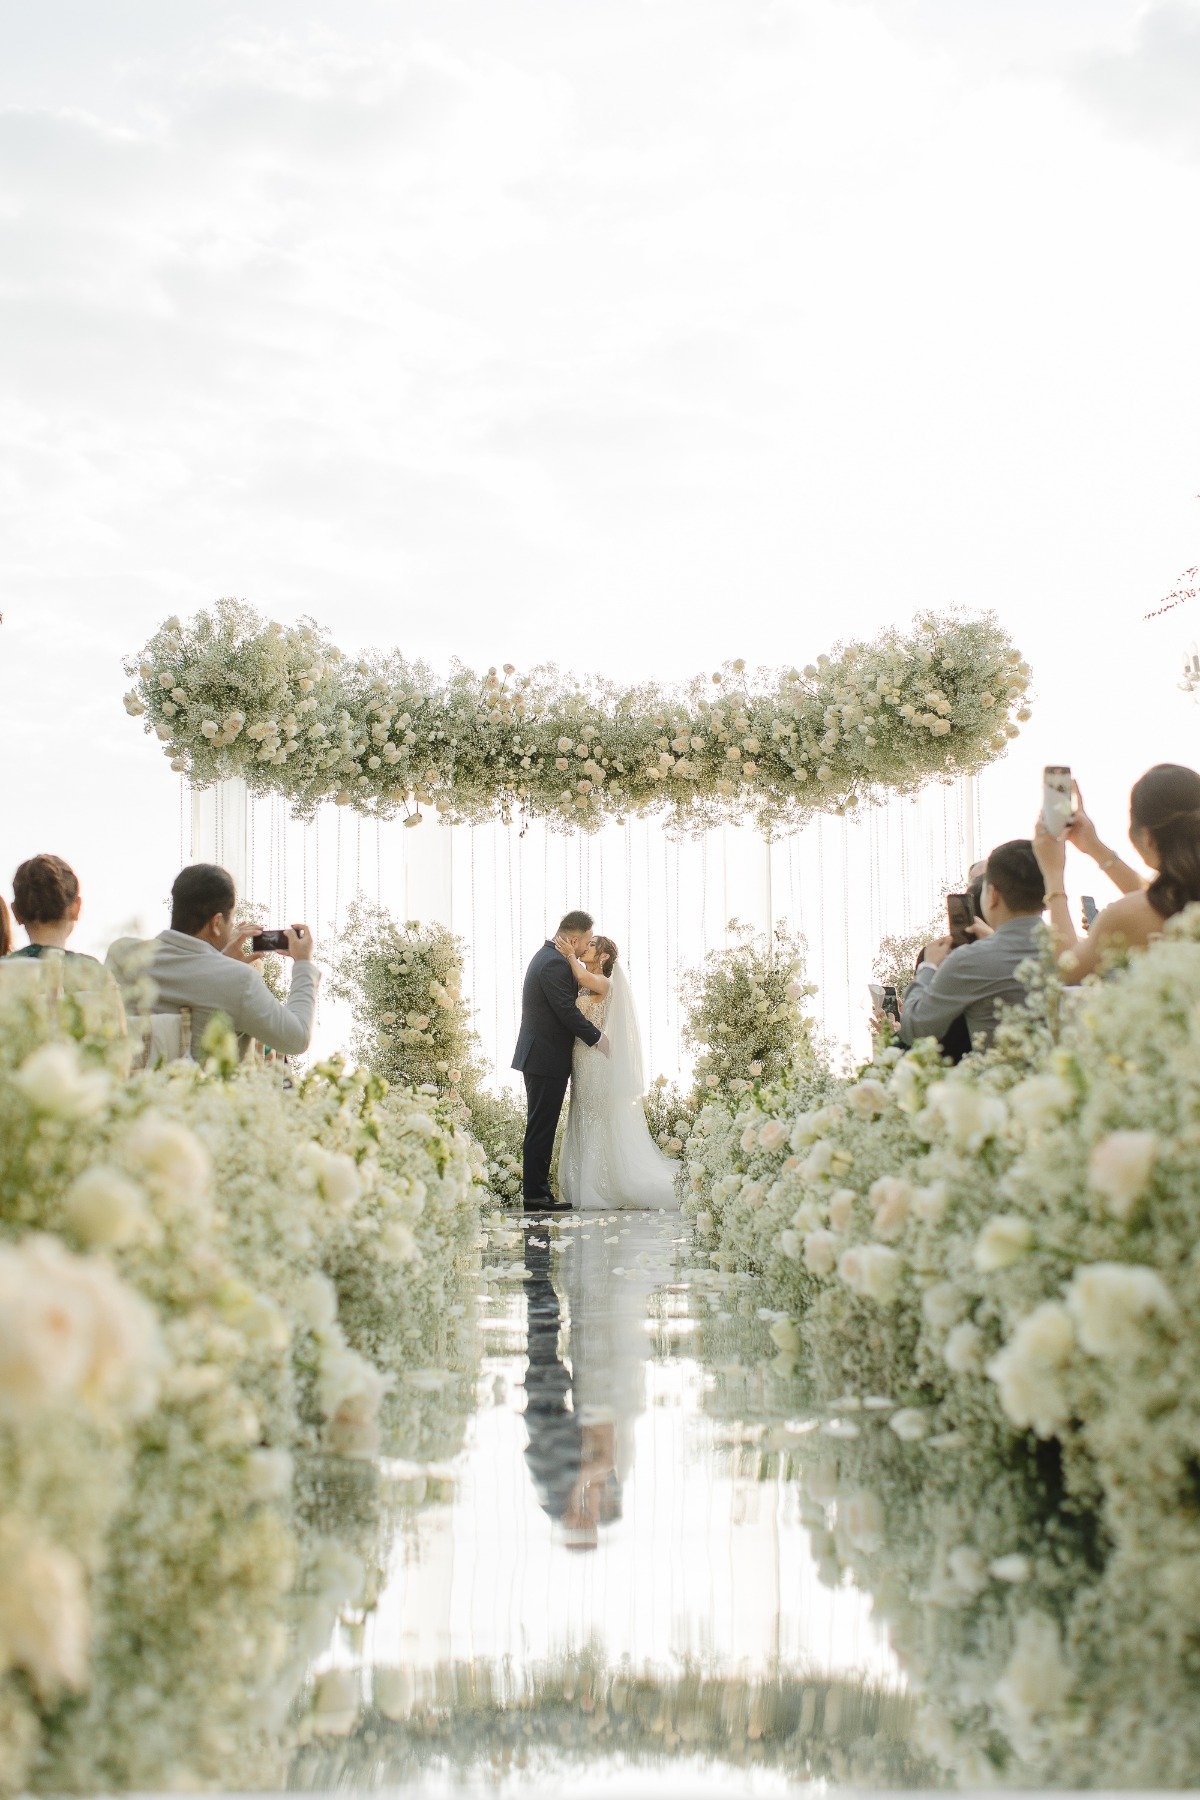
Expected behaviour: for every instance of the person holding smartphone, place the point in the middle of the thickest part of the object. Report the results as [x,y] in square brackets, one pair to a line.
[200,963]
[972,981]
[1164,829]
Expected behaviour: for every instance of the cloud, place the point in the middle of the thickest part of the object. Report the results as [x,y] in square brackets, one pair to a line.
[1150,91]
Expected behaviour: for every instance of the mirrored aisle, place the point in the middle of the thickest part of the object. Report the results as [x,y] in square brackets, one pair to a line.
[615,1575]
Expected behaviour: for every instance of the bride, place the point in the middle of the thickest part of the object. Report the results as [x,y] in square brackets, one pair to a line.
[609,1162]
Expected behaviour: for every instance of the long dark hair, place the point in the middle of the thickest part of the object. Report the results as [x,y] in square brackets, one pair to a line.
[1166,803]
[5,928]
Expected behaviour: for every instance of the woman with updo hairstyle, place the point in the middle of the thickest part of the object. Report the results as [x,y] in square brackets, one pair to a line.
[46,901]
[1164,829]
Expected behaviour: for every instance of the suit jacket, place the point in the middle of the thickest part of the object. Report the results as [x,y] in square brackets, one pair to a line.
[550,1018]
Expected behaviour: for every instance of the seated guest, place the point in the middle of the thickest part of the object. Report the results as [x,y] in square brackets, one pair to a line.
[47,902]
[5,928]
[972,982]
[199,963]
[1164,829]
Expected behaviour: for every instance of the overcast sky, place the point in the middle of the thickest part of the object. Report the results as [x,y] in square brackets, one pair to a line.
[632,333]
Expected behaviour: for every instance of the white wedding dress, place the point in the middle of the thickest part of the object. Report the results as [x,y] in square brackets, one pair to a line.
[609,1162]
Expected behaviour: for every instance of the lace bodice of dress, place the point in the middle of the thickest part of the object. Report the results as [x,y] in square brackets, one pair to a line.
[594,1007]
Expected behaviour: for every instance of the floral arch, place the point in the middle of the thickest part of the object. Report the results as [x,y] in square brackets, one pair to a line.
[231,695]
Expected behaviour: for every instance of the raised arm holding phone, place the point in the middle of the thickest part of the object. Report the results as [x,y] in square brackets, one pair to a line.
[1164,829]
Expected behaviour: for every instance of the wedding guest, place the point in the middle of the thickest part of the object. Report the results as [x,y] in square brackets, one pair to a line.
[200,963]
[974,981]
[47,903]
[5,928]
[1164,829]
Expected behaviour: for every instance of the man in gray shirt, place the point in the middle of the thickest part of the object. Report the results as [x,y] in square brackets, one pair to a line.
[199,964]
[975,980]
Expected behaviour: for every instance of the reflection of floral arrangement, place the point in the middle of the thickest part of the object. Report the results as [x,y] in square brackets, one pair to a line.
[1006,1254]
[580,1709]
[282,707]
[186,1316]
[744,1012]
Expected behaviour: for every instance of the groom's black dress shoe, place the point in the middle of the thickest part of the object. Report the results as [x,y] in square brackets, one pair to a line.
[544,1203]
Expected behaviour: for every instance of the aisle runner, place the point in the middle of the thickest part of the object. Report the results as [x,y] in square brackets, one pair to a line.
[600,1509]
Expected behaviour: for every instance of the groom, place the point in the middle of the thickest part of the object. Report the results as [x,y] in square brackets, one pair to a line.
[550,1023]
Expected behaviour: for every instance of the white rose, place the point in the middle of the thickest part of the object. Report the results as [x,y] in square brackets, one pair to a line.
[338,1179]
[105,1208]
[773,1135]
[168,1157]
[1120,1168]
[929,1203]
[963,1349]
[1027,1371]
[1037,1680]
[394,1693]
[1003,1241]
[969,1116]
[789,1244]
[908,1086]
[270,1473]
[1041,1101]
[861,1517]
[335,1705]
[316,1302]
[69,1327]
[872,1271]
[785,1335]
[1117,1307]
[820,1252]
[704,1224]
[841,1208]
[910,1424]
[891,1196]
[750,1139]
[54,1082]
[398,1242]
[1013,1568]
[867,1099]
[943,1304]
[818,1163]
[45,1625]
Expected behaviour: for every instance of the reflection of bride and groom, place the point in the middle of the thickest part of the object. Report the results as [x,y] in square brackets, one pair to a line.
[579,1028]
[581,1411]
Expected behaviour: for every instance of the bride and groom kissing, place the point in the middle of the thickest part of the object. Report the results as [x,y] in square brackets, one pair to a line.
[579,1028]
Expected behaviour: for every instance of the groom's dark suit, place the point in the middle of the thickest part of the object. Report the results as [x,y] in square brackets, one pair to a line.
[550,1023]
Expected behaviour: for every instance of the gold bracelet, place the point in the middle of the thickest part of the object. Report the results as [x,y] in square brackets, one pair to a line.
[1057,895]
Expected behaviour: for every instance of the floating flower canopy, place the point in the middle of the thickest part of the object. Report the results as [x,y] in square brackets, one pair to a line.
[230,694]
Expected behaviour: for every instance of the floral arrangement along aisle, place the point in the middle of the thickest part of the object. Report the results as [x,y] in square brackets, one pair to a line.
[744,1017]
[997,1268]
[231,695]
[412,1025]
[203,1274]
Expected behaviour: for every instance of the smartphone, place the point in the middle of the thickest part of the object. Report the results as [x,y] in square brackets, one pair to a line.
[268,940]
[1058,797]
[1090,910]
[961,915]
[891,1003]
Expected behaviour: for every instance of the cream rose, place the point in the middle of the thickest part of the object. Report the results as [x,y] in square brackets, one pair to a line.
[1120,1169]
